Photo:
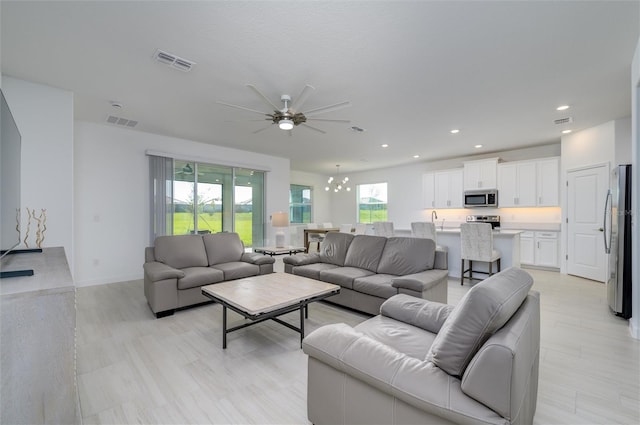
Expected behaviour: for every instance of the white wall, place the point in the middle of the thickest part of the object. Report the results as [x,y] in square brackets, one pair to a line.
[44,116]
[112,191]
[405,191]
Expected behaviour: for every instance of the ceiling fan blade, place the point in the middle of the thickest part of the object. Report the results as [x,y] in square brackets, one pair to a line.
[327,120]
[261,129]
[313,128]
[328,108]
[243,108]
[297,102]
[263,97]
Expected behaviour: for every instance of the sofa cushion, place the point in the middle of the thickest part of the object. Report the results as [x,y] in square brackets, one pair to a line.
[334,247]
[481,312]
[378,285]
[223,247]
[365,251]
[312,271]
[181,251]
[402,337]
[403,256]
[237,269]
[425,314]
[343,276]
[199,276]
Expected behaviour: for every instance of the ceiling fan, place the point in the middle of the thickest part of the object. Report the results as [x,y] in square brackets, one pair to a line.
[291,115]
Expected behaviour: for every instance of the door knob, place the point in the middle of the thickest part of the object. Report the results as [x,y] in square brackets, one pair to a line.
[600,229]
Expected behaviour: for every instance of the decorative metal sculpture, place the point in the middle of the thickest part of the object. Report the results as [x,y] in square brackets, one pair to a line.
[42,227]
[26,234]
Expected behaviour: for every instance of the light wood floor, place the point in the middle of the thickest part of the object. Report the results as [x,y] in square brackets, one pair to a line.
[133,368]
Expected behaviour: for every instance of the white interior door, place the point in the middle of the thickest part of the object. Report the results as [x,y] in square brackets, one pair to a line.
[586,195]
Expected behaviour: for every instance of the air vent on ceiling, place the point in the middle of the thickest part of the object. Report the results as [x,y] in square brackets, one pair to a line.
[567,120]
[111,119]
[173,61]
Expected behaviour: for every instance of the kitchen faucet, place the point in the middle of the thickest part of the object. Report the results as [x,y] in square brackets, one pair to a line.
[434,214]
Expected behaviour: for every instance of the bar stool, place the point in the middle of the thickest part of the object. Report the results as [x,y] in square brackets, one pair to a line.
[423,229]
[476,244]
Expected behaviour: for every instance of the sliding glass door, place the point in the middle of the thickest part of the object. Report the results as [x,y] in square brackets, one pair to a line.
[210,198]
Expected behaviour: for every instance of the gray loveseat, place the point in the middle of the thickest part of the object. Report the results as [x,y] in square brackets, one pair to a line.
[425,362]
[177,266]
[371,269]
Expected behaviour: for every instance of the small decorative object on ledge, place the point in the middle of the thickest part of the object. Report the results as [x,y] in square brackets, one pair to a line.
[26,233]
[42,226]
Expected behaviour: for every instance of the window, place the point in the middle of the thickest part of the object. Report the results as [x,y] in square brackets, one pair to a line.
[300,203]
[206,198]
[372,202]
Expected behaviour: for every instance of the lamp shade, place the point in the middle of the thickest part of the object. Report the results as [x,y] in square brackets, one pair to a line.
[280,219]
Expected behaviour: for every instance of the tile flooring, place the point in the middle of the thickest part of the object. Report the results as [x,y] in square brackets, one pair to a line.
[133,368]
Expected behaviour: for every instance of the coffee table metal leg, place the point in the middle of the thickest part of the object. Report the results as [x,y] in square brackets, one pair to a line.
[302,324]
[224,327]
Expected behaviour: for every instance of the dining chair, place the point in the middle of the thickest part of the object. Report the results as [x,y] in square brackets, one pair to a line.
[476,244]
[361,229]
[346,228]
[383,228]
[314,238]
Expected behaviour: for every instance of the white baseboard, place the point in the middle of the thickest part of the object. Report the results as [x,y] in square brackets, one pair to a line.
[103,281]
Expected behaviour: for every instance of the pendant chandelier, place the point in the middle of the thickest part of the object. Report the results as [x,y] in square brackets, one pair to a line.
[336,184]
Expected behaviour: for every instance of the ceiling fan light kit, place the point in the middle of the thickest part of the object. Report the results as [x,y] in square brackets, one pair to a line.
[290,116]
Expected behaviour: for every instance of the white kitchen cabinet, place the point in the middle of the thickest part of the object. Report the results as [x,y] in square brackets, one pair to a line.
[546,249]
[481,174]
[517,184]
[548,182]
[539,249]
[527,248]
[428,190]
[443,189]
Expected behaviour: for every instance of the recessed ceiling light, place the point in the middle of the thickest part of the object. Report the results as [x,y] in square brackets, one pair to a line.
[455,131]
[385,145]
[416,156]
[562,108]
[477,146]
[566,131]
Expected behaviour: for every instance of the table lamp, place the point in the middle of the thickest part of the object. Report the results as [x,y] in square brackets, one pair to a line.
[280,220]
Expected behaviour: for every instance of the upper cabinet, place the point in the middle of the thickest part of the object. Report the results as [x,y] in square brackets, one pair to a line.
[529,183]
[481,174]
[442,189]
[548,182]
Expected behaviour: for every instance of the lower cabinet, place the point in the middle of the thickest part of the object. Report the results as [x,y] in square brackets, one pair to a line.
[539,249]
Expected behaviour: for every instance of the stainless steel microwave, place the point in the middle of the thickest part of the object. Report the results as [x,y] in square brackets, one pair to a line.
[480,198]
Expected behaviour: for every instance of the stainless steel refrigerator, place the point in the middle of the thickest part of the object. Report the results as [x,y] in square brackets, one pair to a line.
[617,241]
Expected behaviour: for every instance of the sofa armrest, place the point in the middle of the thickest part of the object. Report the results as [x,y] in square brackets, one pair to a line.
[424,314]
[422,281]
[441,259]
[256,258]
[301,259]
[159,271]
[416,382]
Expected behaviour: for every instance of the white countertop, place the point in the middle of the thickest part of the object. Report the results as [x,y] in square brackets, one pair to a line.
[498,232]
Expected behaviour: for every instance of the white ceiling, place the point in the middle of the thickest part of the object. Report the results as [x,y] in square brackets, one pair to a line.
[412,70]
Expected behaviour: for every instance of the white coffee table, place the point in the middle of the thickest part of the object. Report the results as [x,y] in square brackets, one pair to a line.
[268,296]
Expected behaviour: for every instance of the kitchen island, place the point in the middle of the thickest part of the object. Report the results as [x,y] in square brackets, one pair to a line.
[507,242]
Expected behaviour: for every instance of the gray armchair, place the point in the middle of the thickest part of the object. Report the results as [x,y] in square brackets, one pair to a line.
[421,361]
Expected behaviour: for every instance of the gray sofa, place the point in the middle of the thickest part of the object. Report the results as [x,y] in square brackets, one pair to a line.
[177,266]
[371,269]
[425,362]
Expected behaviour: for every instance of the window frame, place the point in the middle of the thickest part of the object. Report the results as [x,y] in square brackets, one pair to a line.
[385,203]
